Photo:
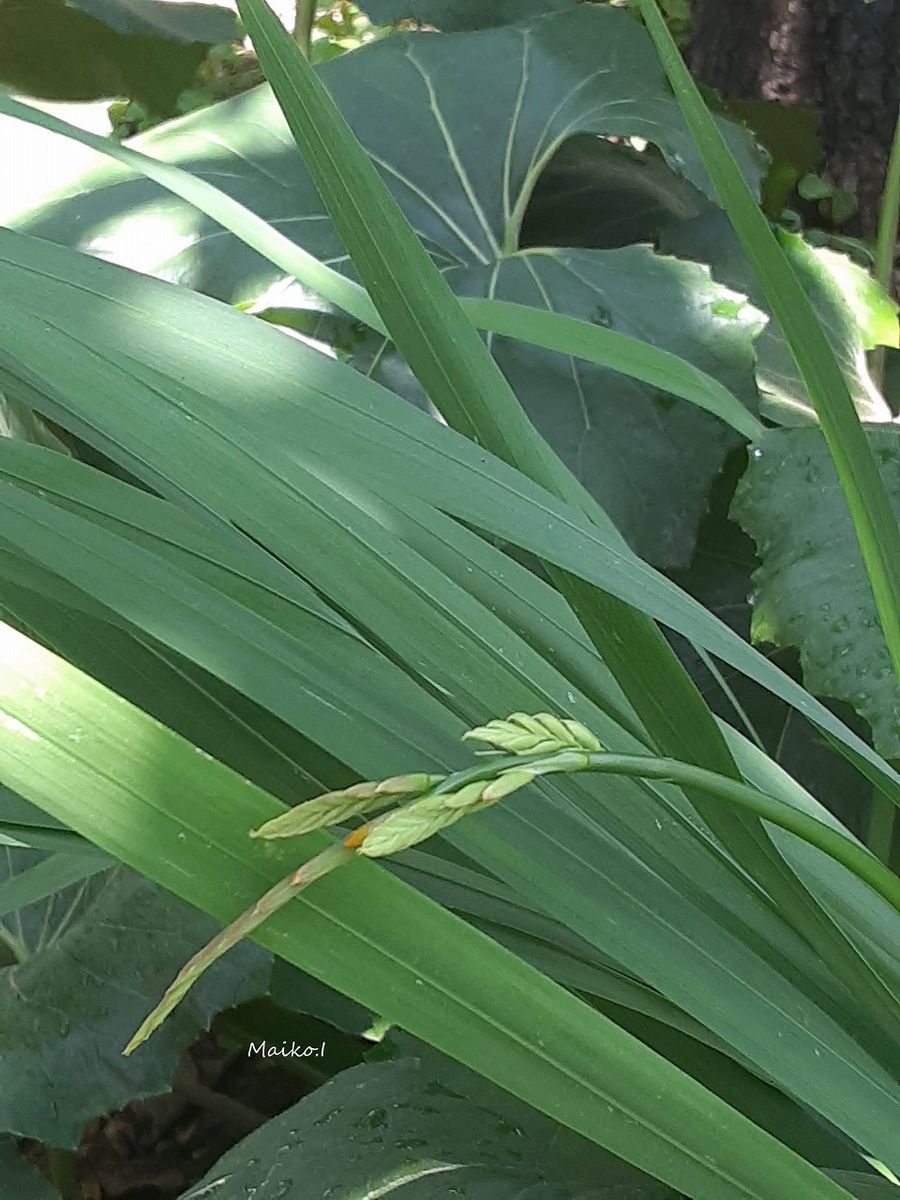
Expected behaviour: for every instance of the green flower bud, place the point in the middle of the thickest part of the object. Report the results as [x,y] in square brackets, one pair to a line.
[554,728]
[331,808]
[526,723]
[505,784]
[407,826]
[467,796]
[408,785]
[582,737]
[542,733]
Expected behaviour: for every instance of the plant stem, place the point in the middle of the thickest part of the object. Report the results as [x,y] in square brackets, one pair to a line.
[842,849]
[886,241]
[238,1116]
[304,18]
[62,1172]
[889,216]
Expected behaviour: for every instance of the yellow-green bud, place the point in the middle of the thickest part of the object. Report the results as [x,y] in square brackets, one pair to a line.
[582,737]
[331,808]
[466,797]
[407,826]
[505,784]
[542,733]
[408,785]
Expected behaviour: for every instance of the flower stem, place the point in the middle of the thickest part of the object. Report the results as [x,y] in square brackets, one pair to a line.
[886,239]
[817,833]
[304,19]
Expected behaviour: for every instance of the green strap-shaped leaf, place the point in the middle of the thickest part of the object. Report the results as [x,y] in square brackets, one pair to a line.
[190,352]
[373,938]
[658,902]
[464,383]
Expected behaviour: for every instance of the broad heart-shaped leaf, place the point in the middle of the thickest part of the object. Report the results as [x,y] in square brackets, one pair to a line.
[461,125]
[98,957]
[19,1178]
[650,459]
[86,49]
[598,194]
[479,116]
[427,1129]
[812,591]
[171,19]
[455,15]
[853,309]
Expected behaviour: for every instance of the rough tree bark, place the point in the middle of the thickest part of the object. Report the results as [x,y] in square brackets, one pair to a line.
[839,56]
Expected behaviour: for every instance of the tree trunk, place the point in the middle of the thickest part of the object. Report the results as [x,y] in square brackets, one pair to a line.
[841,57]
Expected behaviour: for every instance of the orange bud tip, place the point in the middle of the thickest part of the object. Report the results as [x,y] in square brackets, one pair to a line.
[354,840]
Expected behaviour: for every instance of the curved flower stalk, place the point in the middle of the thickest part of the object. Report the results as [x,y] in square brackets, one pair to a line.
[517,750]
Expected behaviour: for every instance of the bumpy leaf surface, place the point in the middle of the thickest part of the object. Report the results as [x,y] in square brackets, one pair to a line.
[98,957]
[812,588]
[431,1133]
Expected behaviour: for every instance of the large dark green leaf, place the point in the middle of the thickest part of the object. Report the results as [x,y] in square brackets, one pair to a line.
[481,115]
[95,961]
[461,14]
[426,1128]
[812,589]
[20,1179]
[721,577]
[173,19]
[85,49]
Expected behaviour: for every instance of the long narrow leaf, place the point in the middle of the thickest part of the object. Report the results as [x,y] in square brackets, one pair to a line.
[123,785]
[203,380]
[535,845]
[553,331]
[461,378]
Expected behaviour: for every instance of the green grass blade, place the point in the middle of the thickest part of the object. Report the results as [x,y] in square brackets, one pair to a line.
[50,876]
[209,384]
[455,368]
[873,518]
[552,331]
[610,878]
[580,339]
[889,216]
[370,936]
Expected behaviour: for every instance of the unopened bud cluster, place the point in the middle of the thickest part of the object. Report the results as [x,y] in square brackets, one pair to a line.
[433,804]
[333,808]
[538,734]
[539,745]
